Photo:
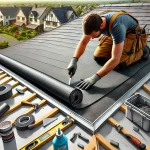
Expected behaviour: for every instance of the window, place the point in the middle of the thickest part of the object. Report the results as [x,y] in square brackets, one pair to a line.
[55,24]
[48,23]
[6,17]
[6,23]
[30,19]
[31,15]
[51,15]
[1,16]
[23,18]
[18,18]
[35,20]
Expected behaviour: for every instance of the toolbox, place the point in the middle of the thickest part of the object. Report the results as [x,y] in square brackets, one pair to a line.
[138,111]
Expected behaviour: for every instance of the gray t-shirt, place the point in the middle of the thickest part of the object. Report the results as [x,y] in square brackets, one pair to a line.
[120,26]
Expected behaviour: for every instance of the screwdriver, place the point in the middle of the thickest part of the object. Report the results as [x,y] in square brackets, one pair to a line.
[136,141]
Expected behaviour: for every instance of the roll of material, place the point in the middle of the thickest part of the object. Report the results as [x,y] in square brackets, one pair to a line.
[3,108]
[61,90]
[6,131]
[5,91]
[23,121]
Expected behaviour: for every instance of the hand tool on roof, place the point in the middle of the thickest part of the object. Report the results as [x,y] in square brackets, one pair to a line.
[136,141]
[70,78]
[48,135]
[47,121]
[114,143]
[34,105]
[133,139]
[83,138]
[52,113]
[81,146]
[122,130]
[73,138]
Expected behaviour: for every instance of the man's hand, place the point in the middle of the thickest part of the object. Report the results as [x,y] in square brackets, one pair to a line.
[87,83]
[72,67]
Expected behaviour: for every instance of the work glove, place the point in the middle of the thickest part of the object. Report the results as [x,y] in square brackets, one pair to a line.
[87,83]
[72,67]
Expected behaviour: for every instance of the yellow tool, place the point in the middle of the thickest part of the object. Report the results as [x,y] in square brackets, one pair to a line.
[48,135]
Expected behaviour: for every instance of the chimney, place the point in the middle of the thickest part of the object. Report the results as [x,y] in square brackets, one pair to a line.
[35,5]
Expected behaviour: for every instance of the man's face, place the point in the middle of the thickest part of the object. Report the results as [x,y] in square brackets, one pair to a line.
[95,34]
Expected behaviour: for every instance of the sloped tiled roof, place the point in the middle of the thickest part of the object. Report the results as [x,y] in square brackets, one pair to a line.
[39,11]
[35,14]
[62,13]
[9,11]
[26,10]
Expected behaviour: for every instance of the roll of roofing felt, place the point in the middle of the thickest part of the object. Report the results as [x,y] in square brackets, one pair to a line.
[57,88]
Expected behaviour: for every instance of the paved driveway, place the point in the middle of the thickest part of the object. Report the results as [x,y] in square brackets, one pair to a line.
[11,41]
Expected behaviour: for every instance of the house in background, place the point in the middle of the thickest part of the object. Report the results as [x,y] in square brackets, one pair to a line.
[8,15]
[22,16]
[36,18]
[58,16]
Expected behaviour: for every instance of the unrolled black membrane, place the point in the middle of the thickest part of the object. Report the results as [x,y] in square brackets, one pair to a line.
[72,96]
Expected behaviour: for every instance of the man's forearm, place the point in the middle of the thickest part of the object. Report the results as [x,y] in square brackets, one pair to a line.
[109,66]
[79,50]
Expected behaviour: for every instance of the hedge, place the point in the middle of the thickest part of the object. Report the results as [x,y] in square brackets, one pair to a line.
[3,44]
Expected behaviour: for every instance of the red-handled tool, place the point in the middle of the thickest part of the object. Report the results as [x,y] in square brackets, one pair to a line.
[136,141]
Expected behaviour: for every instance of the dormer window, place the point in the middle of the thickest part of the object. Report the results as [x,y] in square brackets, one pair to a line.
[51,15]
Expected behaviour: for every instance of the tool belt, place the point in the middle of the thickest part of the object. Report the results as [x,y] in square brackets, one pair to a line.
[135,41]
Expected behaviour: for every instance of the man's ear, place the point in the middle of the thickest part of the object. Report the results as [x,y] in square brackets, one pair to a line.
[101,26]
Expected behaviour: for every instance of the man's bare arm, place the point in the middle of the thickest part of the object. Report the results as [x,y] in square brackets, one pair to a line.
[82,46]
[113,61]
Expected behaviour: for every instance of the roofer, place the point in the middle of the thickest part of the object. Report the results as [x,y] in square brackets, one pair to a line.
[118,46]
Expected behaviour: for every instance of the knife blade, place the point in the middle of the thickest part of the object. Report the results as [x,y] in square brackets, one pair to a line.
[70,78]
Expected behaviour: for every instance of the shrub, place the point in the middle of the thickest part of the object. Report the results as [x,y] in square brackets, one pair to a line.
[28,36]
[19,37]
[3,44]
[34,33]
[28,31]
[22,33]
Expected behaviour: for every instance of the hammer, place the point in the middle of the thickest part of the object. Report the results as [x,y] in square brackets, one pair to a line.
[34,105]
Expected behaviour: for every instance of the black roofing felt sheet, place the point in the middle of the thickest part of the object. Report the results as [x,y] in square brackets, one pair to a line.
[51,52]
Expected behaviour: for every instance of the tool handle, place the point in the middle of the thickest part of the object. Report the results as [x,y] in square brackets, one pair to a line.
[27,103]
[71,74]
[136,142]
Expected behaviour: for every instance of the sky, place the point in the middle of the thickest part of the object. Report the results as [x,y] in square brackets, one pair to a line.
[47,1]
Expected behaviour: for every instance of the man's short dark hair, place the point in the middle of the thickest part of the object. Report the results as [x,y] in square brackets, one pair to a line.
[91,23]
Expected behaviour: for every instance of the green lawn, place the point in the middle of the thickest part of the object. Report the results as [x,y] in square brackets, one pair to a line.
[8,36]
